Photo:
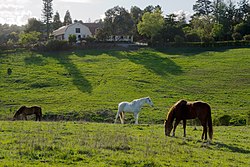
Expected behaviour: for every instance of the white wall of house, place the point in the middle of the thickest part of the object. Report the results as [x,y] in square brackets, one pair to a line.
[80,30]
[121,38]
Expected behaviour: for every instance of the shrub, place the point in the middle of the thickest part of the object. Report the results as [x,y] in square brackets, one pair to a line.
[72,38]
[207,39]
[56,45]
[247,37]
[236,36]
[238,121]
[225,120]
[192,37]
[178,39]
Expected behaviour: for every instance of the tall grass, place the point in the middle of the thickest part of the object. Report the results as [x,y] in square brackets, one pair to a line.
[90,144]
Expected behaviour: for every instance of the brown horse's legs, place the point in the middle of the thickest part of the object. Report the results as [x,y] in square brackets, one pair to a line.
[184,127]
[204,132]
[175,125]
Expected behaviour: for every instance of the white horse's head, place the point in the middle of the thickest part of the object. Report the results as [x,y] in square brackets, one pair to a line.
[149,101]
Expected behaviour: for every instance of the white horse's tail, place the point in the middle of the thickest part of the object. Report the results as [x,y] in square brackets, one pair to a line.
[120,113]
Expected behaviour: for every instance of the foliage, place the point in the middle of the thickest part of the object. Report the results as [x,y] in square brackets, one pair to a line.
[72,38]
[236,36]
[247,37]
[117,21]
[6,32]
[27,39]
[47,14]
[56,45]
[203,8]
[192,37]
[225,120]
[56,21]
[151,24]
[67,18]
[91,144]
[178,40]
[34,25]
[217,31]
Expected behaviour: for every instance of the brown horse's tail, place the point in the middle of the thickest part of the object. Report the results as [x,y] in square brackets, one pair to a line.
[210,125]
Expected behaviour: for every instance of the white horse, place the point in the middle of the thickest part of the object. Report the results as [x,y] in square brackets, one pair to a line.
[134,107]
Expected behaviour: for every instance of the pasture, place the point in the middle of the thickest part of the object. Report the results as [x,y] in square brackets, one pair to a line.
[88,84]
[29,143]
[78,88]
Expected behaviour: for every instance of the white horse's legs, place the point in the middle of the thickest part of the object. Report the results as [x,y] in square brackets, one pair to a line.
[122,116]
[117,115]
[136,115]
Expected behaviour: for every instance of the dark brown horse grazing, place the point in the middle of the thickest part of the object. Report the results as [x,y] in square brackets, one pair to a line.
[24,111]
[183,110]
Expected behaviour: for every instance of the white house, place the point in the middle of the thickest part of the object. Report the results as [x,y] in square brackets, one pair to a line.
[84,30]
[78,29]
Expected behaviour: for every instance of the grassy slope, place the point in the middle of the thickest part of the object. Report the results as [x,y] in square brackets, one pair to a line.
[91,144]
[92,81]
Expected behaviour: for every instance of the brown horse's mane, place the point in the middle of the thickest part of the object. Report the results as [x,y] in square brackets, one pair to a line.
[170,116]
[20,110]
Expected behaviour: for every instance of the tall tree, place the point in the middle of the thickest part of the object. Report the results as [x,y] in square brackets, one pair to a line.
[56,21]
[47,15]
[118,21]
[244,10]
[203,8]
[34,25]
[219,11]
[136,14]
[67,18]
[151,24]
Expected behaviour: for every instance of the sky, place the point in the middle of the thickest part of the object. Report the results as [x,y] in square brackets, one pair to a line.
[19,11]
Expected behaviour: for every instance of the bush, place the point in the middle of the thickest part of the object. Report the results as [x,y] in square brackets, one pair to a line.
[237,36]
[178,39]
[56,45]
[238,121]
[207,39]
[72,38]
[247,37]
[192,37]
[225,120]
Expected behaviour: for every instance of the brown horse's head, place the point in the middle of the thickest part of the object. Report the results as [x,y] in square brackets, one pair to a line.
[172,114]
[18,112]
[168,127]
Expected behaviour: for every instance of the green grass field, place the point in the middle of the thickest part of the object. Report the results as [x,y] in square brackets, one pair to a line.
[29,143]
[88,85]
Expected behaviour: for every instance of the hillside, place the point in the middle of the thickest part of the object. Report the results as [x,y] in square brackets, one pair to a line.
[89,84]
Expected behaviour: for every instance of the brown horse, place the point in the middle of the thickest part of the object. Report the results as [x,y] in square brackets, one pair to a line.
[24,111]
[183,110]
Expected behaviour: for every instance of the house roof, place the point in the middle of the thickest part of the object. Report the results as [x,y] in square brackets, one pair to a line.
[92,27]
[60,31]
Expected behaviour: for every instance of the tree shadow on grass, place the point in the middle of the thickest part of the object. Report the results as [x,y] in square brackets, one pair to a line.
[151,61]
[192,51]
[35,59]
[77,76]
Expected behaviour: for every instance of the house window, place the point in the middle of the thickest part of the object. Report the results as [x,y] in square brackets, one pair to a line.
[78,30]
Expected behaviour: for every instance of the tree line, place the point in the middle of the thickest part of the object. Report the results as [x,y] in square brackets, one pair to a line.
[212,21]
